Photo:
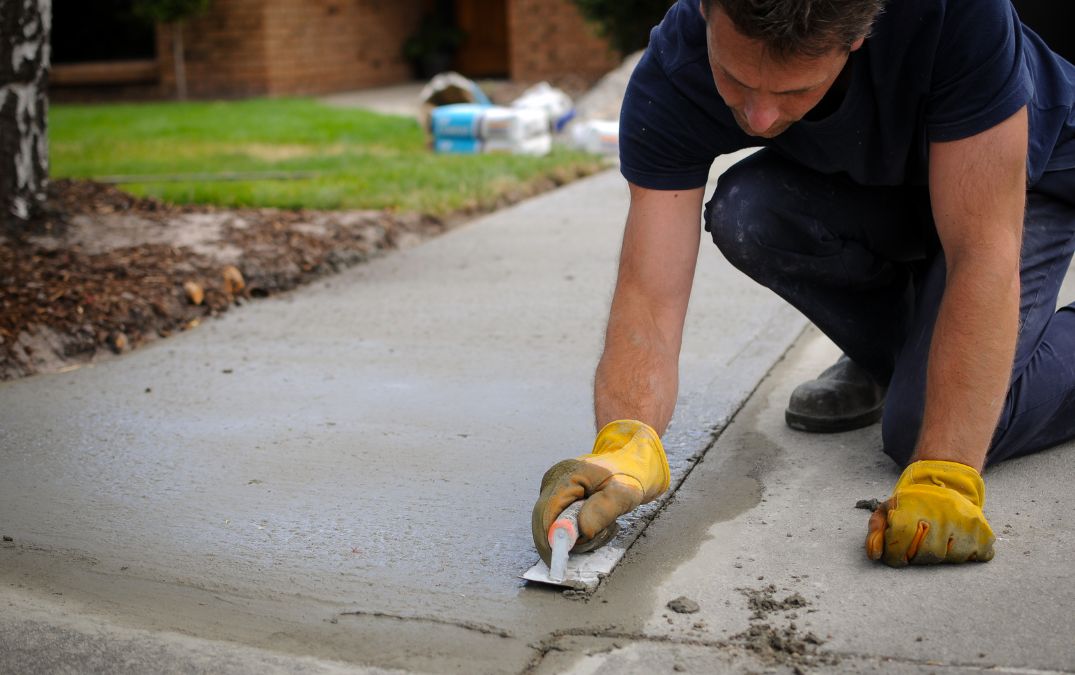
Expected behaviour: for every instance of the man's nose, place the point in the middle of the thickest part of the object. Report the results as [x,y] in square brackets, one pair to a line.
[761,114]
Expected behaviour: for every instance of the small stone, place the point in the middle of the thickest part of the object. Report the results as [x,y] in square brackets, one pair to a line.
[119,342]
[683,605]
[679,668]
[233,280]
[7,538]
[868,504]
[195,292]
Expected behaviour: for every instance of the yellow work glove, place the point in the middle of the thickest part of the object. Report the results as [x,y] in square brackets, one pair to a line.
[934,515]
[626,468]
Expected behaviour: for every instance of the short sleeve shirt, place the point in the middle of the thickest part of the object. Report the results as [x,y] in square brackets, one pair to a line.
[930,70]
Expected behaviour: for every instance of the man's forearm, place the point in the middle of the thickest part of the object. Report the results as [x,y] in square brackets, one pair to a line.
[978,194]
[638,375]
[970,363]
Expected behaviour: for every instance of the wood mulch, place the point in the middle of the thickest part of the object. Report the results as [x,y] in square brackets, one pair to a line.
[103,272]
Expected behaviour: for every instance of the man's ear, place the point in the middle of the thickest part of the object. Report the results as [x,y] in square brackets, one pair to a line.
[857,43]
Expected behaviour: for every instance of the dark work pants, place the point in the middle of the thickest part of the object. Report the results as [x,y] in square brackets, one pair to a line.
[864,264]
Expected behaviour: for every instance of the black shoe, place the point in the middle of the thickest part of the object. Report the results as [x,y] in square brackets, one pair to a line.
[842,398]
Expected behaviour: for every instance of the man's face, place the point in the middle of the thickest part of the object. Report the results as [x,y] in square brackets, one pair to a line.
[766,95]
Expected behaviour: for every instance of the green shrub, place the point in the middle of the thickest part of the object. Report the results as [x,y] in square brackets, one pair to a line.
[626,23]
[167,11]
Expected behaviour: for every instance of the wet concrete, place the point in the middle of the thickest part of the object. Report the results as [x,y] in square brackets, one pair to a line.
[341,479]
[770,506]
[346,472]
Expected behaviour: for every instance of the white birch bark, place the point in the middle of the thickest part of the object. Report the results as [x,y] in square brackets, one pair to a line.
[25,26]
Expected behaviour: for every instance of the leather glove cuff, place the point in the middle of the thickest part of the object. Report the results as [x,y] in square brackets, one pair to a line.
[954,476]
[634,448]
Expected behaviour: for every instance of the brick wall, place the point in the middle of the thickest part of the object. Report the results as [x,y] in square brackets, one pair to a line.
[225,51]
[293,47]
[550,40]
[320,46]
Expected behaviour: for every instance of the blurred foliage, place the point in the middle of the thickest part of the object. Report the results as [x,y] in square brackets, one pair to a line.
[167,11]
[626,23]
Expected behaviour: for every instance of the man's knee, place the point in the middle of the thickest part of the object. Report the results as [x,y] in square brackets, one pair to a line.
[735,216]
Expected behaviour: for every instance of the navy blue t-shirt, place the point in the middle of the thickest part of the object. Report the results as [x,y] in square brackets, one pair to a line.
[931,70]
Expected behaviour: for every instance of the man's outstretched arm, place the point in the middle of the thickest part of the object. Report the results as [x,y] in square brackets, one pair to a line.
[978,192]
[637,378]
[638,375]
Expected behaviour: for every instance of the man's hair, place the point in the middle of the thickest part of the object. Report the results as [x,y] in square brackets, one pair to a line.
[807,28]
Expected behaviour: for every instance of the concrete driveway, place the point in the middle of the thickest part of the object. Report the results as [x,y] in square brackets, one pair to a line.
[340,480]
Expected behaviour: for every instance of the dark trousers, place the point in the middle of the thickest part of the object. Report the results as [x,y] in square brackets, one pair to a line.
[865,265]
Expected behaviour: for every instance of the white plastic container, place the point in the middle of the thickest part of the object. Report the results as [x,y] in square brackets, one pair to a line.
[513,124]
[597,136]
[536,146]
[558,106]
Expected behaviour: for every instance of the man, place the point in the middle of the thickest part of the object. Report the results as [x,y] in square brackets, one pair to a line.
[914,198]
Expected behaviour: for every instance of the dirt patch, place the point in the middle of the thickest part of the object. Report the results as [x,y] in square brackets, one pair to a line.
[103,272]
[780,644]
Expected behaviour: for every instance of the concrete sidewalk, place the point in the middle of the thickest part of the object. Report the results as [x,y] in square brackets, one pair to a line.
[400,99]
[764,536]
[340,480]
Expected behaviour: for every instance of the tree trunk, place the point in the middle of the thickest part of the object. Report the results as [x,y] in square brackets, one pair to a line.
[179,59]
[24,65]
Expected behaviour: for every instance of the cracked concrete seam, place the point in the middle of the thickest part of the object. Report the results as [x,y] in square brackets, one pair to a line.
[483,628]
[548,644]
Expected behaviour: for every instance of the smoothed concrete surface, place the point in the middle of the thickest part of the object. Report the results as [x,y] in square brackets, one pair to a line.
[341,479]
[347,471]
[803,534]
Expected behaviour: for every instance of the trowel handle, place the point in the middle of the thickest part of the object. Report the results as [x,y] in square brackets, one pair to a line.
[567,523]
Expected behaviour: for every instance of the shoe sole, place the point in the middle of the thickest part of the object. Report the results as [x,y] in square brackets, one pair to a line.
[832,425]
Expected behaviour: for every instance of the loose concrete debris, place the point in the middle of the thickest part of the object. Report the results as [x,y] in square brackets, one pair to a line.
[868,504]
[683,605]
[763,602]
[7,538]
[784,645]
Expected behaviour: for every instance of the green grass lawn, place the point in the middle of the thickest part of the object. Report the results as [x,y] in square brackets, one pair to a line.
[345,159]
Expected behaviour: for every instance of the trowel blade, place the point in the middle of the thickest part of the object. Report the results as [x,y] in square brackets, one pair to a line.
[584,570]
[540,574]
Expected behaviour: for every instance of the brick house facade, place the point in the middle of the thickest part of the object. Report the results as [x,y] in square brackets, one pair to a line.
[296,47]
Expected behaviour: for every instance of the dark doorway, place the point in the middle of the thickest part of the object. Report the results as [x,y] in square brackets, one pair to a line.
[102,30]
[484,52]
[1053,20]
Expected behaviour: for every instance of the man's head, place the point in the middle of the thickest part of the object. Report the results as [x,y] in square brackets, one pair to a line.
[774,60]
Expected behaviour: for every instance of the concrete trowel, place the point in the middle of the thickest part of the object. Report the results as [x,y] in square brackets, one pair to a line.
[581,571]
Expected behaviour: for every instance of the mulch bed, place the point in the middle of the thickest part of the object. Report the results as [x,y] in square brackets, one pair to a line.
[103,272]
